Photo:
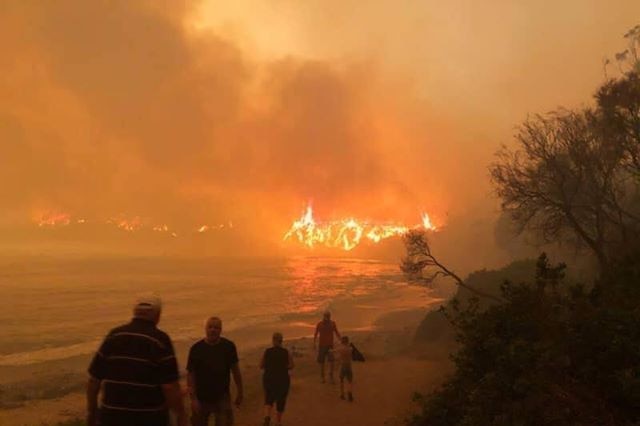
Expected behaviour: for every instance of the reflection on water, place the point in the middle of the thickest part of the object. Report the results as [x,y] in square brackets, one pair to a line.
[52,304]
[315,282]
[306,276]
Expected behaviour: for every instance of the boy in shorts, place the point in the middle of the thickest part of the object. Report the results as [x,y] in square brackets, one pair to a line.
[344,353]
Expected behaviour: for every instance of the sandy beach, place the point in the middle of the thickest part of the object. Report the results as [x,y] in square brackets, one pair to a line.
[383,385]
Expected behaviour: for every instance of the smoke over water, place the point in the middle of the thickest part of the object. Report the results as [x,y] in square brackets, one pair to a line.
[180,116]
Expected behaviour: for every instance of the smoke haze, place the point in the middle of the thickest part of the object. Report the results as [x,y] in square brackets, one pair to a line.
[194,113]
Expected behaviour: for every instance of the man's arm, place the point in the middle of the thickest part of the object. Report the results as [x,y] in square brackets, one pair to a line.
[97,372]
[191,384]
[93,389]
[335,330]
[237,378]
[290,366]
[315,335]
[173,396]
[191,390]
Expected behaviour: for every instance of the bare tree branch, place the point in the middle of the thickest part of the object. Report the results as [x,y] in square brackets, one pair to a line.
[420,259]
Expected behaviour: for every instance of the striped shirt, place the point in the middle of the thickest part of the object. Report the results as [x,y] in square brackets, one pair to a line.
[132,363]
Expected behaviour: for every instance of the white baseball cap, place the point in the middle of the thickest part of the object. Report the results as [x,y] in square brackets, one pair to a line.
[148,301]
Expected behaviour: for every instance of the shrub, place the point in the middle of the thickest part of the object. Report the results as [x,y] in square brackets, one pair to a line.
[550,354]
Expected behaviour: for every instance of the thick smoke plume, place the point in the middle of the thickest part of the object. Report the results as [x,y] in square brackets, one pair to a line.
[188,114]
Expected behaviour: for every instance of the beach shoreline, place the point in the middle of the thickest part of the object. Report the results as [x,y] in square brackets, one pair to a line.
[386,343]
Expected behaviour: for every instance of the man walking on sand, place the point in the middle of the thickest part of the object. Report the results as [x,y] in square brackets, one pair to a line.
[325,331]
[211,360]
[137,370]
[276,363]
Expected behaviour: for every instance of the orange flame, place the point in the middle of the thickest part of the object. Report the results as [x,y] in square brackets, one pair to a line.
[207,228]
[129,225]
[54,219]
[126,223]
[379,233]
[346,233]
[426,222]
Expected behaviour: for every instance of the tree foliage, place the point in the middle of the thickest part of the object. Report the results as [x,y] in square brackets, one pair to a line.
[551,354]
[573,175]
[566,181]
[557,353]
[435,328]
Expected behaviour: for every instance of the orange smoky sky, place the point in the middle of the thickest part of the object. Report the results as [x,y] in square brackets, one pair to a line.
[192,113]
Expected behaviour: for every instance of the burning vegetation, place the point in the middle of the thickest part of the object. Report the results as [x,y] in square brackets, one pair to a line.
[346,233]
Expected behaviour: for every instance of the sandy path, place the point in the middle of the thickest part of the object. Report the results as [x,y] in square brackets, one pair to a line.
[382,392]
[383,389]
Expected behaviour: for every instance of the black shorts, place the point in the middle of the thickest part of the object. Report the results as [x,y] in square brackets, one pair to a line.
[276,391]
[346,373]
[325,352]
[130,418]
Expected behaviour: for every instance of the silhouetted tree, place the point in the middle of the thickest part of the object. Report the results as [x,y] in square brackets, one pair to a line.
[420,261]
[572,175]
[629,59]
[553,352]
[619,107]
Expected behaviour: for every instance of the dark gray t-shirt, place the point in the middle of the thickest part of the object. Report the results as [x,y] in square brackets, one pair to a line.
[211,366]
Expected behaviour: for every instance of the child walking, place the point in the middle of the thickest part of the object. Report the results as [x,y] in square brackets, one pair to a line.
[345,354]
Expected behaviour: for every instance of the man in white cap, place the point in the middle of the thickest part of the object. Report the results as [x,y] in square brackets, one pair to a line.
[137,369]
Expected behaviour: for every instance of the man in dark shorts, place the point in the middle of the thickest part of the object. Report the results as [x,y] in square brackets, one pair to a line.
[137,370]
[211,361]
[276,363]
[323,340]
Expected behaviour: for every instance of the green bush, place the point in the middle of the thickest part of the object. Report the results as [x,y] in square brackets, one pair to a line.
[550,354]
[435,328]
